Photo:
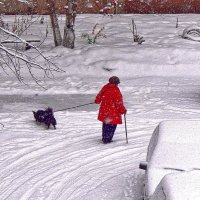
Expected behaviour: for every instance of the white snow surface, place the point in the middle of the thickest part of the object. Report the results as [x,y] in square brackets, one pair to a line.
[179,185]
[159,80]
[176,150]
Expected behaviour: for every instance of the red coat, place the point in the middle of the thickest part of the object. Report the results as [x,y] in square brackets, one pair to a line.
[112,106]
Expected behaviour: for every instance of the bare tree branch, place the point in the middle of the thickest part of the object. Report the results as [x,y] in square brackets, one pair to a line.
[16,60]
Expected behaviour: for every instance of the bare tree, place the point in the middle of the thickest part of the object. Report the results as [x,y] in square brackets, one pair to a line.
[16,61]
[54,22]
[69,35]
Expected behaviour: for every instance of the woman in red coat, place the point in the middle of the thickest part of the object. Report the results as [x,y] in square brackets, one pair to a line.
[111,108]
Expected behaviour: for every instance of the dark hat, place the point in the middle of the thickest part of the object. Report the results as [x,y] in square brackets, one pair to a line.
[114,80]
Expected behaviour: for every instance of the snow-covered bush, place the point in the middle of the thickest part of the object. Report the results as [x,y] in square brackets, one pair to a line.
[20,24]
[2,23]
[42,20]
[136,38]
[191,33]
[92,38]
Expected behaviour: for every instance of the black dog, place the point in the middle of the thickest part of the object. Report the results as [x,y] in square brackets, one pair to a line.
[46,117]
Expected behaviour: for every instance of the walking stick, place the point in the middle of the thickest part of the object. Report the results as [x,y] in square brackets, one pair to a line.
[126,128]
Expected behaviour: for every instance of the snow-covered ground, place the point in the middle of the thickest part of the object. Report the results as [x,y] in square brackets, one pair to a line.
[159,80]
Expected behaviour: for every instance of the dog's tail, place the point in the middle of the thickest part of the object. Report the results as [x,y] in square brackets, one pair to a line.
[34,113]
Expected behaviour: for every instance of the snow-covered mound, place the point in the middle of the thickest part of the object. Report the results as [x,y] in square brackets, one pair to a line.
[179,186]
[192,33]
[174,147]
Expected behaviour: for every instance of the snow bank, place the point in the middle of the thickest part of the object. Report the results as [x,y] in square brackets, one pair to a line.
[130,61]
[164,52]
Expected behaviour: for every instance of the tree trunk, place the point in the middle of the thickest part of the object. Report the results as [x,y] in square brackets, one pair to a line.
[56,30]
[54,23]
[69,34]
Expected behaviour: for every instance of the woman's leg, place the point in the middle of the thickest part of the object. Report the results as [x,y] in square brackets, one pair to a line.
[108,131]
